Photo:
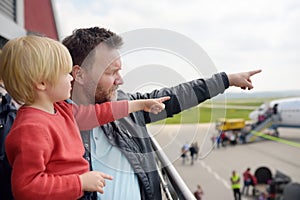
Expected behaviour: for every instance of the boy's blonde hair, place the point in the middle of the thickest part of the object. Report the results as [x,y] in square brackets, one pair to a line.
[28,60]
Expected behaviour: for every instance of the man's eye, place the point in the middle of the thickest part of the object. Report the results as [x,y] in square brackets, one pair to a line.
[109,73]
[114,72]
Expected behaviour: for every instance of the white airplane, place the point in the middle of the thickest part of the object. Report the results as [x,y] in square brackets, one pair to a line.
[283,112]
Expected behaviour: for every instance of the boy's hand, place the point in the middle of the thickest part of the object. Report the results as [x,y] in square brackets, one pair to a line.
[94,181]
[155,105]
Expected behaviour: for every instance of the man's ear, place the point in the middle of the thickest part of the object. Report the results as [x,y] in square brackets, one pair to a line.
[78,74]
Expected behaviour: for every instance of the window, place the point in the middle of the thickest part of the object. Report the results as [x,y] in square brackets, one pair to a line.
[8,8]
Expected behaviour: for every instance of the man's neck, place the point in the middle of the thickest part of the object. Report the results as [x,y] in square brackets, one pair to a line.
[77,95]
[80,99]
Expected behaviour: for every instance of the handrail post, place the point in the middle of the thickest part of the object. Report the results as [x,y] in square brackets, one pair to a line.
[183,192]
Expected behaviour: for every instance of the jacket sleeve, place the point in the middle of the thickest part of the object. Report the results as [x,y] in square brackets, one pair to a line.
[91,116]
[185,95]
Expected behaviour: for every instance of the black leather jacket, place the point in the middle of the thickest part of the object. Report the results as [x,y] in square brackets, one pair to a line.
[131,136]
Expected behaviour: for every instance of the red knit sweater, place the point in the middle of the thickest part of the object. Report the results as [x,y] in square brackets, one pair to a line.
[46,151]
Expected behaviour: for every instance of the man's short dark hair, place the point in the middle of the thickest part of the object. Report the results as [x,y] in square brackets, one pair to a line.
[83,41]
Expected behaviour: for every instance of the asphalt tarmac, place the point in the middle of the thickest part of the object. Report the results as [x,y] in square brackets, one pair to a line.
[213,168]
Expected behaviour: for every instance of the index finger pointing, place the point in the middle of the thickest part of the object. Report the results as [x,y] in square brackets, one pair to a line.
[251,73]
[162,99]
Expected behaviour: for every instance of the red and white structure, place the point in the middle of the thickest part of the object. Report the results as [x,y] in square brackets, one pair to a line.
[23,17]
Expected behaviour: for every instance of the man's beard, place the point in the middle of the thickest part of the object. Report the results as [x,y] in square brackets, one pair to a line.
[102,95]
[98,94]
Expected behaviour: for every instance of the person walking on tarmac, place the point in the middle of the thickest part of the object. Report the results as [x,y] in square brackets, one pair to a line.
[235,185]
[199,192]
[184,150]
[192,152]
[249,180]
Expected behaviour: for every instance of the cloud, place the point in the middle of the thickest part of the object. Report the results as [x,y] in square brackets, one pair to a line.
[237,35]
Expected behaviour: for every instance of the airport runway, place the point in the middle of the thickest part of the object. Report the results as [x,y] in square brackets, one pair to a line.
[213,169]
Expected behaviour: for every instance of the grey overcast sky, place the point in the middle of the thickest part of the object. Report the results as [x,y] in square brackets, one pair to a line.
[236,35]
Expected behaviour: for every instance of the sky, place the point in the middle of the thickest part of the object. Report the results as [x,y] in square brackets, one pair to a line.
[234,36]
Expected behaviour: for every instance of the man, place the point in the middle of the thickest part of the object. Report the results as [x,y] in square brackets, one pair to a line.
[184,151]
[123,148]
[235,185]
[199,192]
[249,179]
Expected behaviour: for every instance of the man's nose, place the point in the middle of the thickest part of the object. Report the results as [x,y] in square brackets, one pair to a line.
[119,80]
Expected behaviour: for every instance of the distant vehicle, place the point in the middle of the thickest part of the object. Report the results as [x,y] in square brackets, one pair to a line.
[230,129]
[223,124]
[283,113]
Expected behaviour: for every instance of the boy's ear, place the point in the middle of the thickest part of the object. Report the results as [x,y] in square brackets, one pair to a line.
[40,85]
[78,74]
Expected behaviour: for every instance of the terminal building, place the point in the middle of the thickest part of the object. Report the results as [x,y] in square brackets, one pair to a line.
[23,17]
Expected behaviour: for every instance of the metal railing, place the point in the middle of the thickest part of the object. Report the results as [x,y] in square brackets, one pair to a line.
[173,185]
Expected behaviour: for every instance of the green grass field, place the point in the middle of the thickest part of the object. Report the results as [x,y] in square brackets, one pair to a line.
[206,114]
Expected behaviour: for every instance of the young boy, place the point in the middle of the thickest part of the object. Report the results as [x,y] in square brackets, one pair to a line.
[44,145]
